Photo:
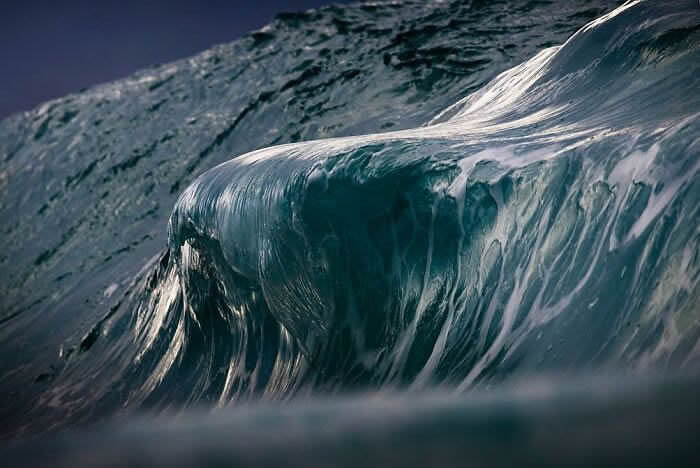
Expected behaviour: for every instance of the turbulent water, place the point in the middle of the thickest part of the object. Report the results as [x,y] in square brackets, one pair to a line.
[444,197]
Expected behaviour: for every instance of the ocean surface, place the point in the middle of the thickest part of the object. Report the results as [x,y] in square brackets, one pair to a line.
[392,232]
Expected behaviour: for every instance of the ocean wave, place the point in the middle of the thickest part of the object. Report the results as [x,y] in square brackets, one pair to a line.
[545,223]
[550,203]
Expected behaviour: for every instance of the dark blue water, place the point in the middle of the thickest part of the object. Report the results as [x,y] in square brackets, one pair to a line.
[443,201]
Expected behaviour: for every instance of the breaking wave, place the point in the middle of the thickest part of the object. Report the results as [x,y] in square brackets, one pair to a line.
[545,223]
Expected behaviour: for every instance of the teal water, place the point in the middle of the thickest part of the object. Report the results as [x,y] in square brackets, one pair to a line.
[391,198]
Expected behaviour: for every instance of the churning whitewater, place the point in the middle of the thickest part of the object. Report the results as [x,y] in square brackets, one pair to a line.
[542,222]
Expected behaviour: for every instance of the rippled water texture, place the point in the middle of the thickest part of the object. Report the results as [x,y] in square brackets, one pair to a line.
[441,197]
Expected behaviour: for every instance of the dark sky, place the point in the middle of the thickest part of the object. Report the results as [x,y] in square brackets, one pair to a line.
[51,48]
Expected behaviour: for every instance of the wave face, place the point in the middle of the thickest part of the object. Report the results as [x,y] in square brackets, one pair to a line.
[541,220]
